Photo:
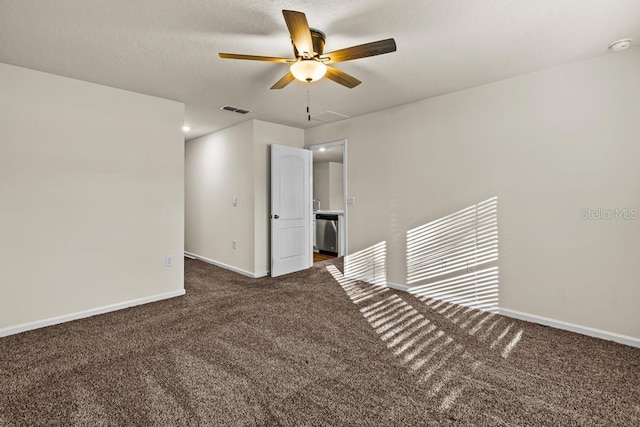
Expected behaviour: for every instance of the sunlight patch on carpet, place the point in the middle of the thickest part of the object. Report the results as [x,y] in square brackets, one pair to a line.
[512,344]
[479,323]
[419,345]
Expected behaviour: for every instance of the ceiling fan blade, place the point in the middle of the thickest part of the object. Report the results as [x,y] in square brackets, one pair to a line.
[255,57]
[342,78]
[288,78]
[361,51]
[299,30]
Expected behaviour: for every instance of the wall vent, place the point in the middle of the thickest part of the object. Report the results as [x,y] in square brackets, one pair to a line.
[235,109]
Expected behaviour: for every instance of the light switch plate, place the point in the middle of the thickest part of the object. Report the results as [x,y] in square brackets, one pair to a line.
[351,201]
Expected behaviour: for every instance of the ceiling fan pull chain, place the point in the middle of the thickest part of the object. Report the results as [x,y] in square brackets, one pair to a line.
[308,101]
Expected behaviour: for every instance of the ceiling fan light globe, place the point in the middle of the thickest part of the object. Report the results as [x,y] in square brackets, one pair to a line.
[308,70]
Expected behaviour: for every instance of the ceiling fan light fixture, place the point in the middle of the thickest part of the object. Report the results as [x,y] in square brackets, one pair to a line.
[308,70]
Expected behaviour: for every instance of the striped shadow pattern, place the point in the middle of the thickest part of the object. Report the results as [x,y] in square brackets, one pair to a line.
[368,265]
[454,258]
[424,349]
[497,332]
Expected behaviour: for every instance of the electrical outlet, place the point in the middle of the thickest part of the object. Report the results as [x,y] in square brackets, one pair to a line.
[351,201]
[235,244]
[168,261]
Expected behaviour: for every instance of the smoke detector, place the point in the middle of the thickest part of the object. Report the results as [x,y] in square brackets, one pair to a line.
[620,45]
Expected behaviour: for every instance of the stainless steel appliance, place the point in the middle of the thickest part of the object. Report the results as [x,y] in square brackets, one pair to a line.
[327,233]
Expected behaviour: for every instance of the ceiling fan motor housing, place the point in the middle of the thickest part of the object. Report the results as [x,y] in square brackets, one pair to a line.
[318,39]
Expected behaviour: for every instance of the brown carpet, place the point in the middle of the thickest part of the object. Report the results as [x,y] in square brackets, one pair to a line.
[311,349]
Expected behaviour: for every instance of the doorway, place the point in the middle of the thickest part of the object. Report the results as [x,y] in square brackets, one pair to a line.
[329,196]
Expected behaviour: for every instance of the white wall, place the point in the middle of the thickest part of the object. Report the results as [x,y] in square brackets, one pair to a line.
[233,162]
[336,188]
[548,144]
[91,188]
[321,184]
[328,185]
[218,167]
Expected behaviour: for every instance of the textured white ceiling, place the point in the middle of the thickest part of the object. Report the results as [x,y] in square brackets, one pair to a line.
[168,48]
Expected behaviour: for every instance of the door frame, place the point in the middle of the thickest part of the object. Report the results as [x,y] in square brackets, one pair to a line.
[343,142]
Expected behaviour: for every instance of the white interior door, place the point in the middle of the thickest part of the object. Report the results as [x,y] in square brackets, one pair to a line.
[291,222]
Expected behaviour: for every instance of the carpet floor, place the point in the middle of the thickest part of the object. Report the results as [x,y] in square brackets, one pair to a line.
[311,349]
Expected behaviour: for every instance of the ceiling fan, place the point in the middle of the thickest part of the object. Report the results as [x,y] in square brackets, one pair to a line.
[310,63]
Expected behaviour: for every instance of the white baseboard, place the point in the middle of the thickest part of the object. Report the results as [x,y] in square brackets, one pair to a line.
[226,266]
[398,286]
[584,330]
[11,330]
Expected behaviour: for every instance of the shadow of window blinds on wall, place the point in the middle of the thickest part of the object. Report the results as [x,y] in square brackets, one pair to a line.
[368,265]
[455,258]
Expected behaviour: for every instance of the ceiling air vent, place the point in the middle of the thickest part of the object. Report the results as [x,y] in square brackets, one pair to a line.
[235,109]
[329,117]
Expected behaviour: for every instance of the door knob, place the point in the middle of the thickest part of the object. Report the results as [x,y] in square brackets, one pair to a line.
[276,216]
